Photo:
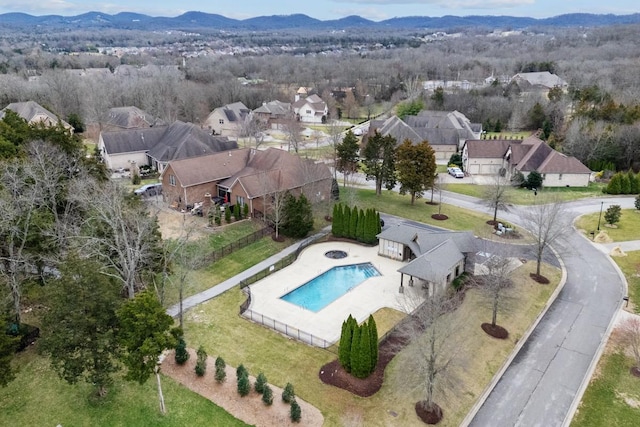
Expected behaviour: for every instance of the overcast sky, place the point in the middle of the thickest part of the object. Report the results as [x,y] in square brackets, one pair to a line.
[325,9]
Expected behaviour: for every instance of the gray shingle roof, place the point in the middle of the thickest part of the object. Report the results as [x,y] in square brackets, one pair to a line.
[29,110]
[435,265]
[131,118]
[183,140]
[132,140]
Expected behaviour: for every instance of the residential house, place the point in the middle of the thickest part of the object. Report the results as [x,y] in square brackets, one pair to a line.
[228,119]
[119,118]
[434,259]
[445,131]
[541,81]
[508,157]
[244,176]
[273,114]
[34,113]
[157,146]
[311,109]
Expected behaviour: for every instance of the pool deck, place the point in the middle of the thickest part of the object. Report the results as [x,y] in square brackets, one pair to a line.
[365,299]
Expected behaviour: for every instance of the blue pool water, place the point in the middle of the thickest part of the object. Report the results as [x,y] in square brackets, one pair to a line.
[321,291]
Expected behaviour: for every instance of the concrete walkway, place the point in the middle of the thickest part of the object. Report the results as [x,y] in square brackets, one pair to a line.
[213,292]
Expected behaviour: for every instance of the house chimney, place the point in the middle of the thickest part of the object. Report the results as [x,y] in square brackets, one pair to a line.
[206,203]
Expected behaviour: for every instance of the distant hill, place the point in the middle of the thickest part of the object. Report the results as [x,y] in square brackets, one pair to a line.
[200,20]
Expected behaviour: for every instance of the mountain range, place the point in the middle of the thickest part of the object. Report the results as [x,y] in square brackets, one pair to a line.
[190,21]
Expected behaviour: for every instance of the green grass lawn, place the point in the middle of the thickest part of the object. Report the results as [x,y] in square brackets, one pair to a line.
[627,229]
[37,397]
[522,196]
[603,403]
[630,266]
[217,326]
[393,203]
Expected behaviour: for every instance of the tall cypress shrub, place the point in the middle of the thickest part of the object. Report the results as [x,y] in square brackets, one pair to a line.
[614,186]
[346,339]
[346,220]
[373,331]
[625,184]
[360,232]
[356,364]
[353,223]
[365,351]
[335,220]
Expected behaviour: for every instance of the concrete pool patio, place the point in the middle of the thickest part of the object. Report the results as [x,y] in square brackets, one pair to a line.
[323,328]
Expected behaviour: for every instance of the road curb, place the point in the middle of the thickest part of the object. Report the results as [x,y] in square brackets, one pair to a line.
[603,343]
[521,342]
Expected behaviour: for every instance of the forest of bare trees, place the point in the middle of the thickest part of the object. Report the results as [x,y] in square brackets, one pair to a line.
[596,120]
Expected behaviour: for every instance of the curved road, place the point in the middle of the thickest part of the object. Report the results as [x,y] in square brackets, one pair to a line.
[545,378]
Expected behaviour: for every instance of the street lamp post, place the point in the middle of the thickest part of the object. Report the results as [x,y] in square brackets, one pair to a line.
[600,216]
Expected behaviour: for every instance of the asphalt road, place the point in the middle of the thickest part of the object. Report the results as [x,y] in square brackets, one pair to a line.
[545,379]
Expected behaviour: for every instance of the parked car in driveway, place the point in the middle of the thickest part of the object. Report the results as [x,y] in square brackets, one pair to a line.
[455,172]
[149,190]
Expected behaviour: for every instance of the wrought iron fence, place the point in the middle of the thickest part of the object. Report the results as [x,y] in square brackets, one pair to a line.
[285,329]
[245,241]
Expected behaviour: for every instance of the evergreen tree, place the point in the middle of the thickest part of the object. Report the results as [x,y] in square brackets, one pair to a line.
[241,370]
[221,373]
[634,185]
[379,157]
[236,212]
[365,351]
[227,214]
[244,385]
[201,363]
[416,166]
[295,412]
[267,395]
[534,180]
[614,186]
[612,215]
[353,223]
[245,210]
[346,221]
[182,355]
[625,184]
[346,340]
[334,220]
[261,382]
[373,331]
[356,353]
[288,394]
[299,216]
[378,223]
[360,230]
[347,155]
[8,345]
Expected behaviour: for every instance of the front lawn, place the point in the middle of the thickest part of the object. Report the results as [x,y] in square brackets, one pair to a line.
[613,396]
[522,196]
[393,203]
[630,266]
[627,229]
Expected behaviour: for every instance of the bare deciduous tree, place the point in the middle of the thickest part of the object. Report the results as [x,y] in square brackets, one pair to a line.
[547,222]
[293,129]
[121,234]
[496,195]
[431,329]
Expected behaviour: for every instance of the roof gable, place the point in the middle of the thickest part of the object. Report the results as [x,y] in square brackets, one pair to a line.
[183,140]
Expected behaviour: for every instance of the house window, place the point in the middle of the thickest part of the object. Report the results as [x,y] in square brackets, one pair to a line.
[449,278]
[221,121]
[172,180]
[308,111]
[240,200]
[559,177]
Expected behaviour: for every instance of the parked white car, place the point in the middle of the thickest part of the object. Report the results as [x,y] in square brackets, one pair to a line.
[455,172]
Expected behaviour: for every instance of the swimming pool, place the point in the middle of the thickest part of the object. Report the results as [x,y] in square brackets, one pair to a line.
[322,290]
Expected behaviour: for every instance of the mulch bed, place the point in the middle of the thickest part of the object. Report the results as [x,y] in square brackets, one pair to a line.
[539,278]
[334,374]
[428,416]
[280,238]
[496,331]
[439,217]
[635,371]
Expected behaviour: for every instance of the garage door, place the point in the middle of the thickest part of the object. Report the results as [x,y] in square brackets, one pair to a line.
[474,169]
